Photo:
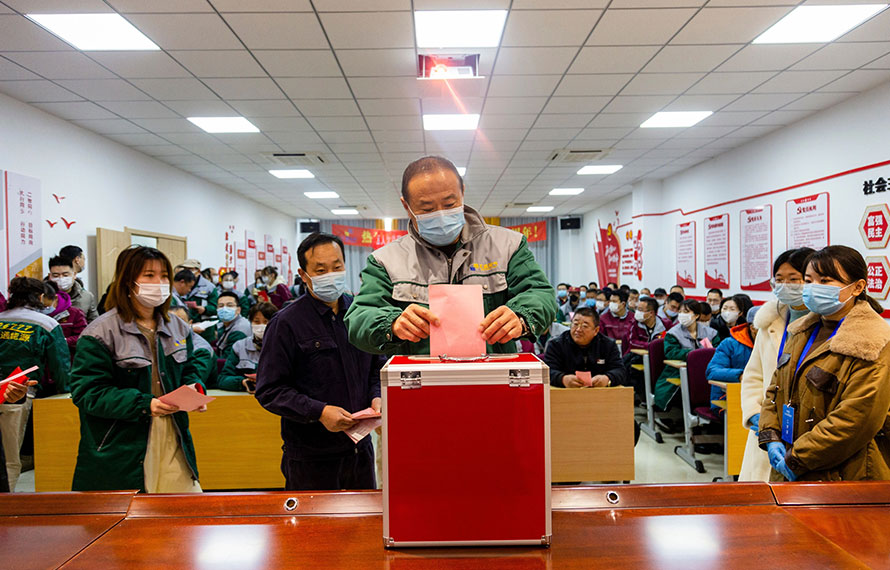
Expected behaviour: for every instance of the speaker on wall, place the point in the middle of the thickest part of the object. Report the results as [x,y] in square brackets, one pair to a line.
[310,227]
[570,223]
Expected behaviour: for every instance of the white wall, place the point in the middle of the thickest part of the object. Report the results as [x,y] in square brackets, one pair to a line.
[108,185]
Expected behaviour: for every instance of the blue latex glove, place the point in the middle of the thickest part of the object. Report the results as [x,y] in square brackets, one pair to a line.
[755,424]
[776,452]
[783,470]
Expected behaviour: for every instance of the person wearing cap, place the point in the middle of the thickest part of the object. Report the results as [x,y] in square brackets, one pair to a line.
[731,357]
[203,297]
[447,242]
[567,310]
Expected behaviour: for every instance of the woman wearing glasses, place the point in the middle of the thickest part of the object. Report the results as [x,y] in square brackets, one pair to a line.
[772,318]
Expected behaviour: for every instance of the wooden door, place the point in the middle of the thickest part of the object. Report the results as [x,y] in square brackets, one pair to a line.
[109,245]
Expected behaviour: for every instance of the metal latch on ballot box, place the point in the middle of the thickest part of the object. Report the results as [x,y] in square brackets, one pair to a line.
[410,380]
[520,378]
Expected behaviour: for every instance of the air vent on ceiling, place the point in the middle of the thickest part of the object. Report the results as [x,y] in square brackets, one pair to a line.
[571,156]
[295,158]
[519,204]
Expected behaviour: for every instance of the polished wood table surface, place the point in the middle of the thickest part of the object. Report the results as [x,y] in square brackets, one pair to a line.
[837,525]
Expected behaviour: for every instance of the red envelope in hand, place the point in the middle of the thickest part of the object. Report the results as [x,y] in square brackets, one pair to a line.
[21,380]
[365,414]
[585,377]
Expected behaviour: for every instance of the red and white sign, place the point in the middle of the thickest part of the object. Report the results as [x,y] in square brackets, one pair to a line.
[628,257]
[878,276]
[285,270]
[241,265]
[22,219]
[250,242]
[607,253]
[756,244]
[686,261]
[807,221]
[716,238]
[874,226]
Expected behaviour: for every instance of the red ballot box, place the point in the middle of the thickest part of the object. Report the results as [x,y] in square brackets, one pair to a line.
[466,451]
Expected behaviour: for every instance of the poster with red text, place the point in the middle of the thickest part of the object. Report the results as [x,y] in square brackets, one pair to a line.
[22,220]
[250,242]
[756,244]
[628,254]
[285,263]
[807,223]
[686,261]
[241,266]
[716,238]
[607,253]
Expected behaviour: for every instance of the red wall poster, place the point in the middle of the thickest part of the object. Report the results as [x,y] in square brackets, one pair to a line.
[756,244]
[607,252]
[716,238]
[686,262]
[807,221]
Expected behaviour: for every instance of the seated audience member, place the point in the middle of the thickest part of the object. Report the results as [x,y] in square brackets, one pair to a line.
[648,326]
[245,355]
[28,337]
[275,287]
[210,274]
[562,293]
[671,307]
[731,357]
[732,312]
[183,281]
[62,271]
[706,314]
[611,285]
[567,310]
[298,289]
[680,340]
[582,294]
[679,290]
[618,320]
[633,297]
[71,318]
[625,287]
[229,282]
[231,327]
[601,301]
[645,292]
[660,296]
[582,348]
[204,357]
[201,300]
[593,286]
[715,300]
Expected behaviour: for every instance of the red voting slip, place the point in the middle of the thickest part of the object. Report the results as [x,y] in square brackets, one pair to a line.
[191,304]
[705,343]
[18,376]
[186,399]
[460,310]
[585,377]
[367,413]
[251,376]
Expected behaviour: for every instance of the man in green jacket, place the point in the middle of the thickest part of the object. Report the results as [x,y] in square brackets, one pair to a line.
[447,242]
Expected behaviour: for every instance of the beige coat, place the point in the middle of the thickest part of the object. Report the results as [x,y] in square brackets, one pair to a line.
[770,324]
[841,391]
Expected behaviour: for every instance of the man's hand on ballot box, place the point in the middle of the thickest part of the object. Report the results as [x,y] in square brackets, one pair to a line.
[501,326]
[336,419]
[414,323]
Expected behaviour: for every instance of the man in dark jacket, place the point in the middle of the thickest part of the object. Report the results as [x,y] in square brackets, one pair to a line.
[582,348]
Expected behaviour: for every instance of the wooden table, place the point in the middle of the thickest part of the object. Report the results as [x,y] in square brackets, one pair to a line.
[723,525]
[735,435]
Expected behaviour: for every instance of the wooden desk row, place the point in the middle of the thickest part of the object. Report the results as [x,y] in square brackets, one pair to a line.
[789,525]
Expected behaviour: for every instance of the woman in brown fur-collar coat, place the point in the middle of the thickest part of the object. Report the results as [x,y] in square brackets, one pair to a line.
[834,377]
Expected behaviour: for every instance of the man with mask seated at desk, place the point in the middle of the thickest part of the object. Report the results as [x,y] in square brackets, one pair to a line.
[582,348]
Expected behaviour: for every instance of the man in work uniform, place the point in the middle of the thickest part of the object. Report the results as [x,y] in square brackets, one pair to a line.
[204,294]
[447,242]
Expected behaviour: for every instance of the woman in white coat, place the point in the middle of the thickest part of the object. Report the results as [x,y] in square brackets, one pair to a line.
[771,321]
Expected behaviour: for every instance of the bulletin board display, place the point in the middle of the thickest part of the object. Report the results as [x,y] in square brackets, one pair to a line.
[756,245]
[715,235]
[685,252]
[808,221]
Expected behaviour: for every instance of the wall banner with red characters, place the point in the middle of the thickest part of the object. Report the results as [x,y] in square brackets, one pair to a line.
[686,261]
[716,240]
[536,231]
[366,237]
[756,244]
[607,252]
[22,218]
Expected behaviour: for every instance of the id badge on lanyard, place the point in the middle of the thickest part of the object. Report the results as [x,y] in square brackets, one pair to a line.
[788,423]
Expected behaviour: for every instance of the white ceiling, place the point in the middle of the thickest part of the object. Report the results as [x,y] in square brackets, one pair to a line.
[338,77]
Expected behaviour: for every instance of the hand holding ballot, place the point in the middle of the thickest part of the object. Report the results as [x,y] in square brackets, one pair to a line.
[414,323]
[15,386]
[184,399]
[368,421]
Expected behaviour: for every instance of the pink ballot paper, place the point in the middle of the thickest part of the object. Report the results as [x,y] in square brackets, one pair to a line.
[186,399]
[366,414]
[585,377]
[369,420]
[460,310]
[705,343]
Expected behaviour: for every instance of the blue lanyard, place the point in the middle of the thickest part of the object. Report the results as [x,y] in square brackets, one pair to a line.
[784,336]
[809,345]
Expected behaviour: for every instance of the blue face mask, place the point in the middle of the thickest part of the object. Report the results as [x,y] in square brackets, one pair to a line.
[562,293]
[582,294]
[47,310]
[823,299]
[226,314]
[441,227]
[330,286]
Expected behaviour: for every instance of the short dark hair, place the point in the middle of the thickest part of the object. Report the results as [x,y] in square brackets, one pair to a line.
[675,297]
[428,164]
[694,306]
[625,287]
[231,294]
[60,261]
[50,289]
[832,260]
[677,286]
[588,312]
[71,251]
[205,273]
[129,266]
[267,309]
[660,291]
[271,269]
[651,303]
[715,290]
[313,240]
[25,292]
[234,275]
[185,275]
[566,285]
[593,284]
[621,294]
[744,303]
[796,258]
[633,292]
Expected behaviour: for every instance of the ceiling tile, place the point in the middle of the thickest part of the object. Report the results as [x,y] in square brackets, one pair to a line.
[21,34]
[527,85]
[60,65]
[874,30]
[844,55]
[139,109]
[378,63]
[104,89]
[76,110]
[548,27]
[639,27]
[262,5]
[690,58]
[315,88]
[563,121]
[729,25]
[511,105]
[600,84]
[385,87]
[208,108]
[265,108]
[327,107]
[12,71]
[576,104]
[732,119]
[390,106]
[612,59]
[816,101]
[109,126]
[174,89]
[638,103]
[741,82]
[361,5]
[534,61]
[762,101]
[278,31]
[798,81]
[700,102]
[244,88]
[607,120]
[144,64]
[165,6]
[767,57]
[661,83]
[216,63]
[163,126]
[860,80]
[186,31]
[506,121]
[302,63]
[363,30]
[656,3]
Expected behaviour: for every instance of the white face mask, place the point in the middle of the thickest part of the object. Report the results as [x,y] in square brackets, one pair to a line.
[613,307]
[600,305]
[258,331]
[729,316]
[715,308]
[660,302]
[228,285]
[640,316]
[152,294]
[685,319]
[65,283]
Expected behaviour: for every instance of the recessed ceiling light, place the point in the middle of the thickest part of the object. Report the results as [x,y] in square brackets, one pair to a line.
[566,191]
[292,173]
[668,119]
[92,32]
[321,195]
[450,122]
[817,24]
[462,170]
[600,169]
[345,212]
[224,124]
[539,209]
[459,28]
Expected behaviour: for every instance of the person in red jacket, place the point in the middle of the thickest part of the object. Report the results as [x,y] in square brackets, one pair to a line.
[72,319]
[617,321]
[276,288]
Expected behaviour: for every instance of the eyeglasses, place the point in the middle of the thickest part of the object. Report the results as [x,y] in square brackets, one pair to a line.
[792,281]
[582,326]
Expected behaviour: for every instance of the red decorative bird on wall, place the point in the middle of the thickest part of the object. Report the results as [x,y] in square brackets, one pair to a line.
[58,198]
[51,223]
[68,224]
